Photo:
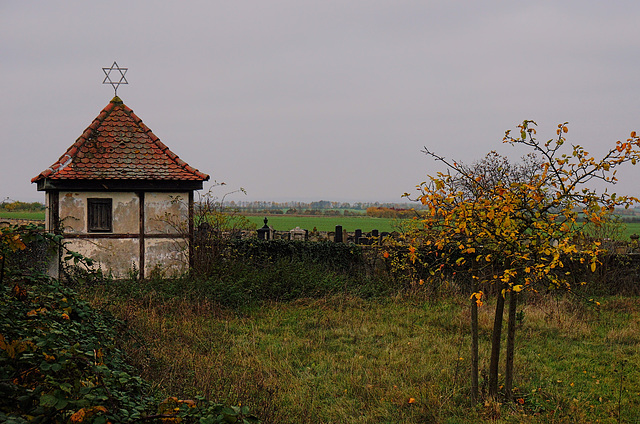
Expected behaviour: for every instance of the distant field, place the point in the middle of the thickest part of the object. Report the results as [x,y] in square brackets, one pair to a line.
[364,223]
[23,215]
[321,223]
[631,228]
[326,223]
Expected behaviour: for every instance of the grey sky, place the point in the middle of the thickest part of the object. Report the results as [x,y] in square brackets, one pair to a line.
[310,100]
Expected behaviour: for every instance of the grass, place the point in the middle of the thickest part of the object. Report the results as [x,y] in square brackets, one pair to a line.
[283,222]
[326,223]
[630,228]
[393,359]
[365,223]
[39,215]
[321,223]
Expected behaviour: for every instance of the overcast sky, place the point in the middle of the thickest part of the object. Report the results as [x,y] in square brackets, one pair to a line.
[311,100]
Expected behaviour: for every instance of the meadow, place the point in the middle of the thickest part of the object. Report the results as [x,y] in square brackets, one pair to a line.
[396,359]
[298,340]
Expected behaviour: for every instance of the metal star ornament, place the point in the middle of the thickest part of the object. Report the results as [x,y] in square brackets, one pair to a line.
[115,82]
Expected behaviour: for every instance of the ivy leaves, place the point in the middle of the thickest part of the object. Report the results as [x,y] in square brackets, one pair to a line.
[60,362]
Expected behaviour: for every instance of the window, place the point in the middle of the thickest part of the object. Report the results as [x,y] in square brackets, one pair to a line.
[99,215]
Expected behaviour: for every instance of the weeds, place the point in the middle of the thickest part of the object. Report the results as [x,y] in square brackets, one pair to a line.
[342,358]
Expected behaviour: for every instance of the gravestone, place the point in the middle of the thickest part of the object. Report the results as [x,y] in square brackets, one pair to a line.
[338,236]
[298,234]
[264,232]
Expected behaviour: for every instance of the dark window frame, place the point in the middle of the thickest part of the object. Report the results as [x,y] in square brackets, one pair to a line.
[100,215]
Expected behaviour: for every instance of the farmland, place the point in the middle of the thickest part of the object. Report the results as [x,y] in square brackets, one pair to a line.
[283,222]
[629,229]
[321,223]
[327,223]
[365,223]
[35,215]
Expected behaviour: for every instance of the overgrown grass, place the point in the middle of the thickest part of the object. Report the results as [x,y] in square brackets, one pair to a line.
[402,358]
[239,284]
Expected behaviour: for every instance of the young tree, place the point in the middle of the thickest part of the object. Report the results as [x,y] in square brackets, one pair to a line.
[513,225]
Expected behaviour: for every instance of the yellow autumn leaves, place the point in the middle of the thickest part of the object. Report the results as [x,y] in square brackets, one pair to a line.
[11,242]
[524,215]
[86,413]
[15,346]
[478,296]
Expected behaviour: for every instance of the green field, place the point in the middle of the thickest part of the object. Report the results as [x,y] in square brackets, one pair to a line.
[23,215]
[364,223]
[631,228]
[321,223]
[326,223]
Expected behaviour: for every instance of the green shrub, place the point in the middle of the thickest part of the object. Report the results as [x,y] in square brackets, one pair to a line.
[60,361]
[338,257]
[58,357]
[237,283]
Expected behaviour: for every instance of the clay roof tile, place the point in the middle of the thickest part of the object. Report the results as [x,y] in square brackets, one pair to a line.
[118,141]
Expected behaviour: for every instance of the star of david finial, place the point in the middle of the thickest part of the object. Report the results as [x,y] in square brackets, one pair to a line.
[115,82]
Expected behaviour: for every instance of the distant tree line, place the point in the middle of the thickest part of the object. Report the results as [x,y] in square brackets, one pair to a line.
[8,205]
[384,212]
[321,207]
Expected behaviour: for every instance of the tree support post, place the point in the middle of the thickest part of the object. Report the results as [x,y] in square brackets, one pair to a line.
[474,344]
[495,346]
[511,340]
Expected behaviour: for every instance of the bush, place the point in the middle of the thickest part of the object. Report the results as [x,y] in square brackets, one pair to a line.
[239,284]
[337,257]
[59,357]
[60,361]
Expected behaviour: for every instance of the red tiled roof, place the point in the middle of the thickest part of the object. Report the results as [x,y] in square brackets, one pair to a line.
[118,146]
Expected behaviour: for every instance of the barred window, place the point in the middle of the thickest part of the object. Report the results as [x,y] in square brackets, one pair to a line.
[99,215]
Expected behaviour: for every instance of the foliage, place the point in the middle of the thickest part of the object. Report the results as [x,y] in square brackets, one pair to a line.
[519,222]
[220,220]
[381,212]
[60,360]
[26,250]
[341,257]
[18,206]
[58,357]
[256,272]
[17,241]
[210,223]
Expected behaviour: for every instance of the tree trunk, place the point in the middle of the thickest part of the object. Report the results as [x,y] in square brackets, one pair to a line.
[474,345]
[511,339]
[496,339]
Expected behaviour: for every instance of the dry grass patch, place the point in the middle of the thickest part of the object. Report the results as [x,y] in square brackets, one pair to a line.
[405,359]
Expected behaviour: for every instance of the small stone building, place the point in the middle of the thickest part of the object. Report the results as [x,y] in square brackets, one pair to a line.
[119,196]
